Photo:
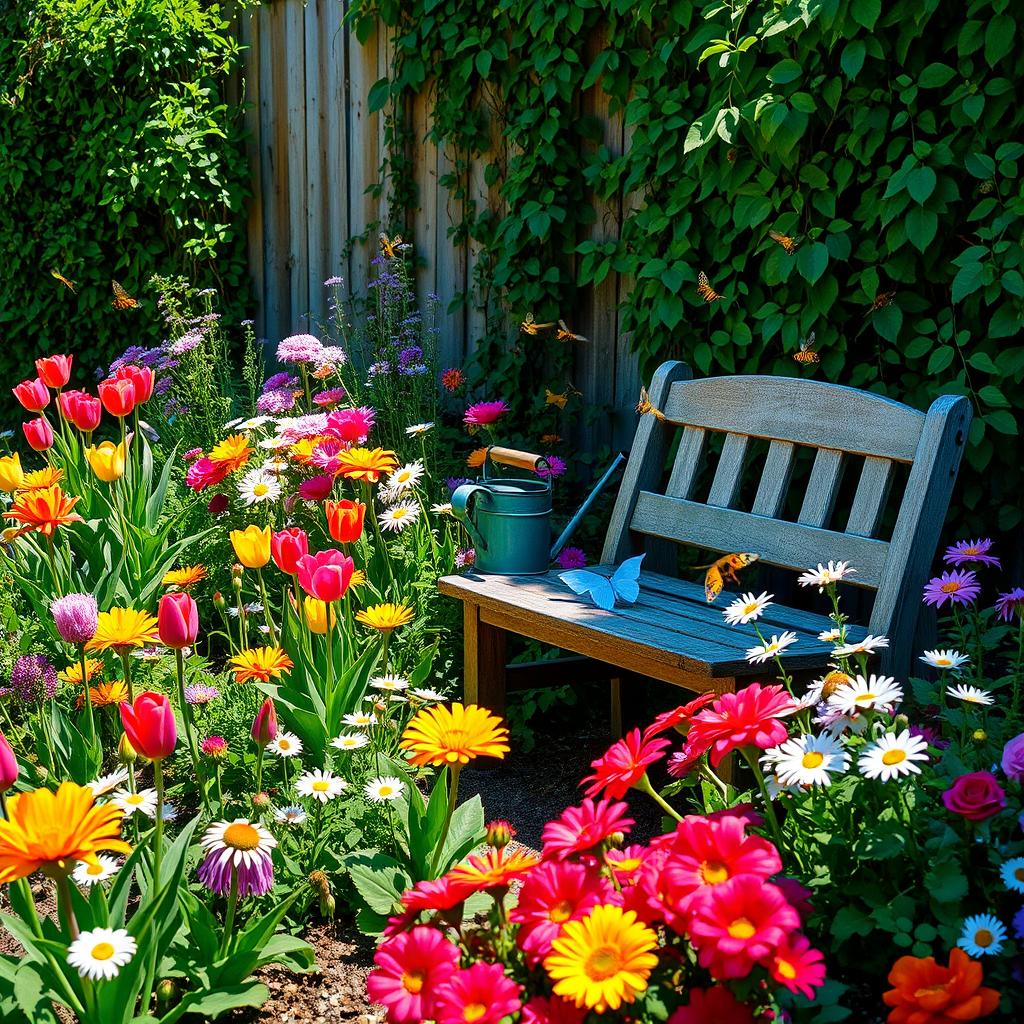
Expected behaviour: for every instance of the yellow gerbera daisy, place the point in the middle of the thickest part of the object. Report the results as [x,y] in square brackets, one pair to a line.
[186,577]
[122,628]
[368,464]
[302,450]
[602,960]
[104,694]
[73,673]
[51,831]
[385,617]
[262,663]
[440,735]
[45,477]
[233,452]
[358,578]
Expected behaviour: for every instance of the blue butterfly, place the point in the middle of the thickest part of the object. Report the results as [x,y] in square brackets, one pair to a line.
[623,586]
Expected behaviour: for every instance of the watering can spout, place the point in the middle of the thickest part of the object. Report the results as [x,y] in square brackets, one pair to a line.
[585,507]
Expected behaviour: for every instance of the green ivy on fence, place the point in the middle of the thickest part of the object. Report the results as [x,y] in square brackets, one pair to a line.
[882,141]
[120,156]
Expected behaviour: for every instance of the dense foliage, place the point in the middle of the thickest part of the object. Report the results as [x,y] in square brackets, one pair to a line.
[884,143]
[120,155]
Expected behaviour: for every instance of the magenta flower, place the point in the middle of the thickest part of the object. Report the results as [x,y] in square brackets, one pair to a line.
[351,425]
[464,557]
[332,396]
[1011,603]
[215,747]
[75,617]
[555,467]
[192,454]
[956,587]
[483,414]
[316,488]
[967,551]
[571,558]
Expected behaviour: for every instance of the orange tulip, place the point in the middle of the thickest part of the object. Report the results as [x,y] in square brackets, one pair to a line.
[345,520]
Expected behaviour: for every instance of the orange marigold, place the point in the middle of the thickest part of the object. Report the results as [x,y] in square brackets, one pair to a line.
[233,452]
[368,464]
[44,509]
[926,993]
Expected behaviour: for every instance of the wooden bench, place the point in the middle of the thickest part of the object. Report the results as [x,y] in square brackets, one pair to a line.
[671,633]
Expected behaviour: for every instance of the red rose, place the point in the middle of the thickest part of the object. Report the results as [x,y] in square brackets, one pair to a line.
[975,796]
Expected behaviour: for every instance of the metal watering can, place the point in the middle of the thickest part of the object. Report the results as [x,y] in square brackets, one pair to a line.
[509,518]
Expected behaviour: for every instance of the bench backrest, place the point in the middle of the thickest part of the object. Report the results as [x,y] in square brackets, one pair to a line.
[845,427]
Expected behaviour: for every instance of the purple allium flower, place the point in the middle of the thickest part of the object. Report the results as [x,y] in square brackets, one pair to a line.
[555,467]
[332,396]
[571,558]
[299,348]
[215,747]
[200,694]
[464,557]
[1011,603]
[413,354]
[279,382]
[239,850]
[33,678]
[274,402]
[75,617]
[967,551]
[331,281]
[957,587]
[453,483]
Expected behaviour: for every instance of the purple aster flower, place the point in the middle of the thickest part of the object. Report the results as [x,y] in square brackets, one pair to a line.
[571,558]
[331,281]
[378,369]
[200,694]
[75,617]
[412,354]
[414,370]
[241,850]
[464,557]
[956,587]
[33,678]
[332,396]
[299,348]
[163,385]
[967,551]
[280,381]
[189,341]
[453,483]
[555,467]
[273,402]
[1011,603]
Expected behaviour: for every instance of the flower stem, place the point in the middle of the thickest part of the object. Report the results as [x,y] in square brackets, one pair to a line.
[769,808]
[158,831]
[453,794]
[186,717]
[64,899]
[259,769]
[126,666]
[643,784]
[229,919]
[266,608]
[90,720]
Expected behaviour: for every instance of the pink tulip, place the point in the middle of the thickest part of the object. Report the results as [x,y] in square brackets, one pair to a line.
[149,725]
[39,434]
[264,725]
[287,547]
[54,371]
[178,619]
[8,765]
[33,395]
[326,575]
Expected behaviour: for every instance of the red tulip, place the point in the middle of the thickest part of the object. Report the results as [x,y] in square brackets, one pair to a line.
[326,575]
[54,371]
[39,434]
[142,378]
[8,765]
[81,410]
[149,725]
[33,395]
[264,725]
[345,520]
[118,397]
[287,547]
[178,620]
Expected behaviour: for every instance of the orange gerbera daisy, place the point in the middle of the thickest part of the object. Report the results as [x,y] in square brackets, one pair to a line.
[366,463]
[302,450]
[493,870]
[44,509]
[121,628]
[476,458]
[185,577]
[46,477]
[104,694]
[51,831]
[440,735]
[926,993]
[233,452]
[262,663]
[73,673]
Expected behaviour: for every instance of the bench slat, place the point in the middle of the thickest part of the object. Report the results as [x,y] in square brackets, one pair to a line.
[869,500]
[822,487]
[771,491]
[726,485]
[687,462]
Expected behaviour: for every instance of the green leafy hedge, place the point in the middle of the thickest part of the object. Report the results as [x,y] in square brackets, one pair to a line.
[120,156]
[885,138]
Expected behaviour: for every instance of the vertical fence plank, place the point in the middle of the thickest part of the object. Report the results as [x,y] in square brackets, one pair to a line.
[315,65]
[336,155]
[249,35]
[295,78]
[363,156]
[273,103]
[450,277]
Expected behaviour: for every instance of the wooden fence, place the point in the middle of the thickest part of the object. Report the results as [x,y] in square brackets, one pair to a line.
[316,150]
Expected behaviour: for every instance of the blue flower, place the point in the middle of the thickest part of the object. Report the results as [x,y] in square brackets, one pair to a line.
[982,935]
[1012,874]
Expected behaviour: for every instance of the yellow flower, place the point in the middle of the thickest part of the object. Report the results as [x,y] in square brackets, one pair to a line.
[262,663]
[233,452]
[385,617]
[184,578]
[52,831]
[302,450]
[12,476]
[38,478]
[316,616]
[73,673]
[602,960]
[105,694]
[122,628]
[366,463]
[440,735]
[44,510]
[358,578]
[108,460]
[252,546]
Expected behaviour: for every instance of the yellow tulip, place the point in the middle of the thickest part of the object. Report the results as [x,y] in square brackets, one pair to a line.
[108,460]
[12,476]
[316,616]
[252,546]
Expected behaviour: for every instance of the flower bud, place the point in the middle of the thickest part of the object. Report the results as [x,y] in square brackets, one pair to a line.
[261,801]
[126,753]
[219,603]
[979,736]
[500,833]
[264,725]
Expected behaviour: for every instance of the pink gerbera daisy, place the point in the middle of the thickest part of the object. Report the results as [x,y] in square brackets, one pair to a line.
[624,764]
[410,969]
[670,719]
[540,1010]
[329,397]
[957,587]
[481,994]
[797,966]
[967,551]
[352,425]
[483,414]
[749,717]
[203,473]
[580,829]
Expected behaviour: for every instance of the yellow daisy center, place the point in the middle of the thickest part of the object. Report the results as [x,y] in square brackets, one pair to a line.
[413,981]
[891,757]
[785,969]
[399,513]
[241,836]
[742,928]
[94,869]
[812,759]
[865,698]
[714,872]
[602,963]
[560,912]
[260,490]
[970,551]
[321,786]
[983,938]
[102,951]
[749,609]
[386,790]
[473,1011]
[284,744]
[135,799]
[943,662]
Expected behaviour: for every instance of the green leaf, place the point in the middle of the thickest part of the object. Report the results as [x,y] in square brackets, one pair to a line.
[1006,321]
[921,183]
[785,71]
[941,359]
[968,279]
[379,94]
[935,75]
[1002,420]
[852,59]
[811,261]
[979,165]
[945,882]
[379,879]
[866,12]
[921,227]
[999,38]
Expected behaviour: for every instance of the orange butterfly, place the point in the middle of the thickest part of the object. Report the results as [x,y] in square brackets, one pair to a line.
[647,408]
[725,569]
[882,299]
[550,439]
[391,247]
[550,398]
[564,334]
[64,281]
[704,289]
[807,353]
[789,243]
[530,326]
[122,300]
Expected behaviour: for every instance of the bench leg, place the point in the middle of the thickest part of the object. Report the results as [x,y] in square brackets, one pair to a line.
[616,707]
[484,661]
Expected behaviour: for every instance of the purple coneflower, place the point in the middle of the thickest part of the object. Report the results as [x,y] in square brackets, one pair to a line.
[33,678]
[200,694]
[1011,603]
[237,850]
[967,551]
[957,587]
[75,617]
[571,558]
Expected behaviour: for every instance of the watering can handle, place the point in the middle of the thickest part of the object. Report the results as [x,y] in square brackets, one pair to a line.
[514,457]
[460,509]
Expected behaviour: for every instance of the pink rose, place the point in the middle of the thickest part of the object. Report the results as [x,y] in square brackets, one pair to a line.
[975,796]
[1013,758]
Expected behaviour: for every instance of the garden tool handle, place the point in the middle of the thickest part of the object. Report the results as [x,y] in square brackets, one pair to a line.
[514,457]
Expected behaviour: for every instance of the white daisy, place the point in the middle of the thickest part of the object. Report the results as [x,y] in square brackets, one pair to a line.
[144,802]
[292,815]
[254,423]
[240,842]
[428,695]
[868,645]
[836,722]
[90,874]
[320,785]
[350,741]
[360,720]
[106,783]
[384,789]
[971,694]
[418,428]
[1012,874]
[275,466]
[826,575]
[404,477]
[982,935]
[767,651]
[747,608]
[812,697]
[396,518]
[893,755]
[947,661]
[101,952]
[810,760]
[873,693]
[829,635]
[259,485]
[276,444]
[285,744]
[391,683]
[442,508]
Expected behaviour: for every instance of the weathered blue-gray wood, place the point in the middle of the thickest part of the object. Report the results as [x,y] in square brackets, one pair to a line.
[871,496]
[822,488]
[774,483]
[725,486]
